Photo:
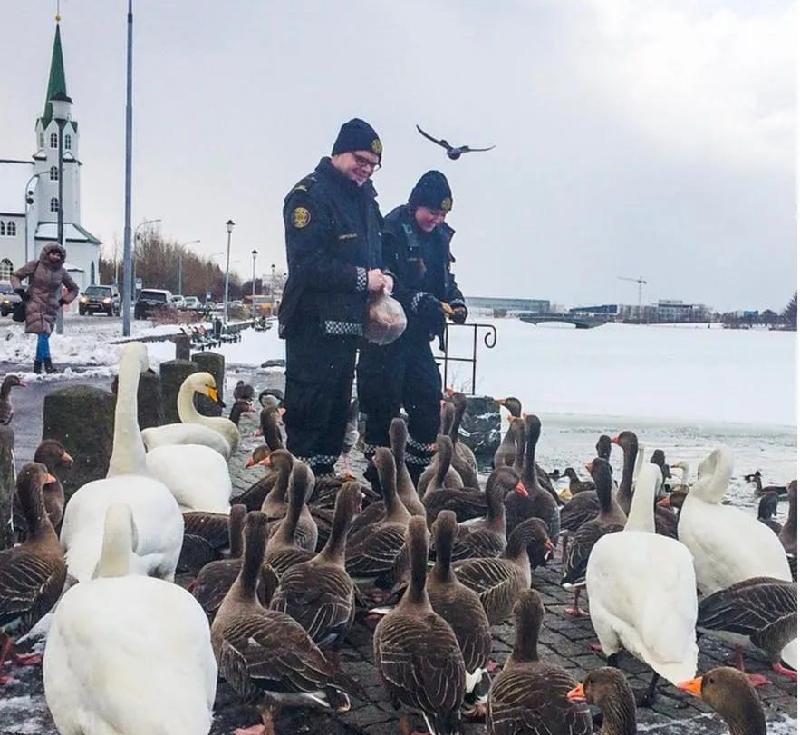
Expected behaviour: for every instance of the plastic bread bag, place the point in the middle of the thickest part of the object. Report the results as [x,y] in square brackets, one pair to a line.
[385,321]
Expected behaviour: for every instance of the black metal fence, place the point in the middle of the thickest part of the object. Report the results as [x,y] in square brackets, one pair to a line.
[489,335]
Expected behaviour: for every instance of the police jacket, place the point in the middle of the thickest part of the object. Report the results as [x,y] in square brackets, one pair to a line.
[332,228]
[420,263]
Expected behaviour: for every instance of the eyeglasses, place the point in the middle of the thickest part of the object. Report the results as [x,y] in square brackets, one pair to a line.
[366,163]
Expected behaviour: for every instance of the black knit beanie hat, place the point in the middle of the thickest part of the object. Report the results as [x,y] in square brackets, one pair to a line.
[432,191]
[357,135]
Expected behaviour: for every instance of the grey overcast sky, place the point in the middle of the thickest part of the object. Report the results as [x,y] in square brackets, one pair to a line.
[634,137]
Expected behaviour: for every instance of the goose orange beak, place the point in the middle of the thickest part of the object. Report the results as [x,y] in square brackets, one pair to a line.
[664,502]
[250,462]
[588,467]
[576,695]
[615,439]
[66,459]
[549,545]
[692,686]
[520,490]
[267,461]
[48,478]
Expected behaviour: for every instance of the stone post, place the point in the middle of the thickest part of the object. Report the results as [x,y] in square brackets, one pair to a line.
[182,347]
[6,485]
[81,417]
[214,363]
[173,373]
[480,426]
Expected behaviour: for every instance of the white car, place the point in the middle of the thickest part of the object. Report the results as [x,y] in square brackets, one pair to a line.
[191,302]
[178,301]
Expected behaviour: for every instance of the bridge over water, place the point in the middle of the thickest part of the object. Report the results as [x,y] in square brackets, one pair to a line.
[579,320]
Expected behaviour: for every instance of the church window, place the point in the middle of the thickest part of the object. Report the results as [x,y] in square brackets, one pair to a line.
[2,228]
[93,275]
[54,204]
[53,173]
[6,269]
[68,142]
[11,229]
[54,140]
[41,141]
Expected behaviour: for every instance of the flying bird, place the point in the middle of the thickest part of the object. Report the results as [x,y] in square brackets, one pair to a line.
[453,153]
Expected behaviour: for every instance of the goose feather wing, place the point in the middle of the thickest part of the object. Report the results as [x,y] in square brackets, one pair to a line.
[376,550]
[29,586]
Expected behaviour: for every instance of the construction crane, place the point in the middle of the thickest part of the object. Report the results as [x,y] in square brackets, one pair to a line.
[641,282]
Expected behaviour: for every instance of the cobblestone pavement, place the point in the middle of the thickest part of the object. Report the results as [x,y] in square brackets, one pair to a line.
[564,641]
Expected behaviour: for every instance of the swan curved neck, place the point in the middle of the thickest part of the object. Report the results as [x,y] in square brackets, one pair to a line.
[642,516]
[128,453]
[117,545]
[187,412]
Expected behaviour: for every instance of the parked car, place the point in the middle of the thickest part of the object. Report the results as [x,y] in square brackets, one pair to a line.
[192,303]
[7,298]
[150,300]
[178,301]
[99,298]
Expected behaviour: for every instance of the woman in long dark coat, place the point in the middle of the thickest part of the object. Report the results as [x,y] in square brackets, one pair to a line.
[44,297]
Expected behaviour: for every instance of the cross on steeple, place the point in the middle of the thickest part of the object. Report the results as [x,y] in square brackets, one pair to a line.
[58,11]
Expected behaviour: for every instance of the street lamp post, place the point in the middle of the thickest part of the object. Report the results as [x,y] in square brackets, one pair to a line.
[127,254]
[61,107]
[29,252]
[254,254]
[180,262]
[229,226]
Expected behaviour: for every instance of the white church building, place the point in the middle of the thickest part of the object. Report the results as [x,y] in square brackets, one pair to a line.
[29,201]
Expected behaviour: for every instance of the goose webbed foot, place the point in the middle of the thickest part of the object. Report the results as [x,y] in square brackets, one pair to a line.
[779,668]
[648,698]
[27,659]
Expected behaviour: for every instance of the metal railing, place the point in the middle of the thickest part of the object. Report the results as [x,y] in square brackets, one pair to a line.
[489,341]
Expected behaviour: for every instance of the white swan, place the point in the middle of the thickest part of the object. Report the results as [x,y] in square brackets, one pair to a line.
[728,544]
[193,427]
[642,591]
[195,474]
[155,511]
[128,654]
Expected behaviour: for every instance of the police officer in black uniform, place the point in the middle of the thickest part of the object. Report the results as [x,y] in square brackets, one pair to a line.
[416,250]
[332,225]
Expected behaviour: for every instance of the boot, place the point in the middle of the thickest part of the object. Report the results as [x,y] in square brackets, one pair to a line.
[37,366]
[48,366]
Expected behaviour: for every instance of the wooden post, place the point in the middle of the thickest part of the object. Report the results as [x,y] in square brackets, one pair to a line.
[214,363]
[6,485]
[81,417]
[173,373]
[182,348]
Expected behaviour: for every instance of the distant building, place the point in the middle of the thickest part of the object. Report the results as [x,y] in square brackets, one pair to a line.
[677,311]
[29,201]
[600,309]
[491,303]
[664,311]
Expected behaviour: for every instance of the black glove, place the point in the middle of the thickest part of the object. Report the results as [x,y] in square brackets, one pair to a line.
[427,307]
[459,315]
[61,302]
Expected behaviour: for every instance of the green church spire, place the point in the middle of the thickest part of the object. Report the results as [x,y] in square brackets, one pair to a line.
[57,83]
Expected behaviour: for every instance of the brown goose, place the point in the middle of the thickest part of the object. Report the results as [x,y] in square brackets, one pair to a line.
[732,697]
[293,540]
[239,407]
[373,550]
[6,407]
[319,593]
[32,574]
[512,405]
[539,503]
[450,478]
[608,689]
[499,581]
[416,652]
[205,539]
[215,578]
[51,454]
[788,534]
[529,695]
[461,608]
[398,437]
[254,496]
[270,424]
[266,656]
[486,537]
[506,453]
[608,520]
[761,488]
[767,508]
[465,502]
[761,612]
[464,461]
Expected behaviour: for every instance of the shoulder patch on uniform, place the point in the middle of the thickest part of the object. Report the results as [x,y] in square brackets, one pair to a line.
[300,217]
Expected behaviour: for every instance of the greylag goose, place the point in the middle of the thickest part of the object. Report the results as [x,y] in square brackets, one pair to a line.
[608,689]
[732,697]
[766,511]
[239,407]
[461,608]
[486,537]
[499,581]
[205,540]
[629,443]
[374,549]
[464,461]
[6,407]
[319,593]
[265,655]
[465,502]
[584,539]
[761,612]
[529,695]
[788,534]
[416,652]
[512,405]
[244,392]
[576,485]
[539,503]
[659,459]
[755,478]
[450,478]
[398,436]
[32,574]
[506,453]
